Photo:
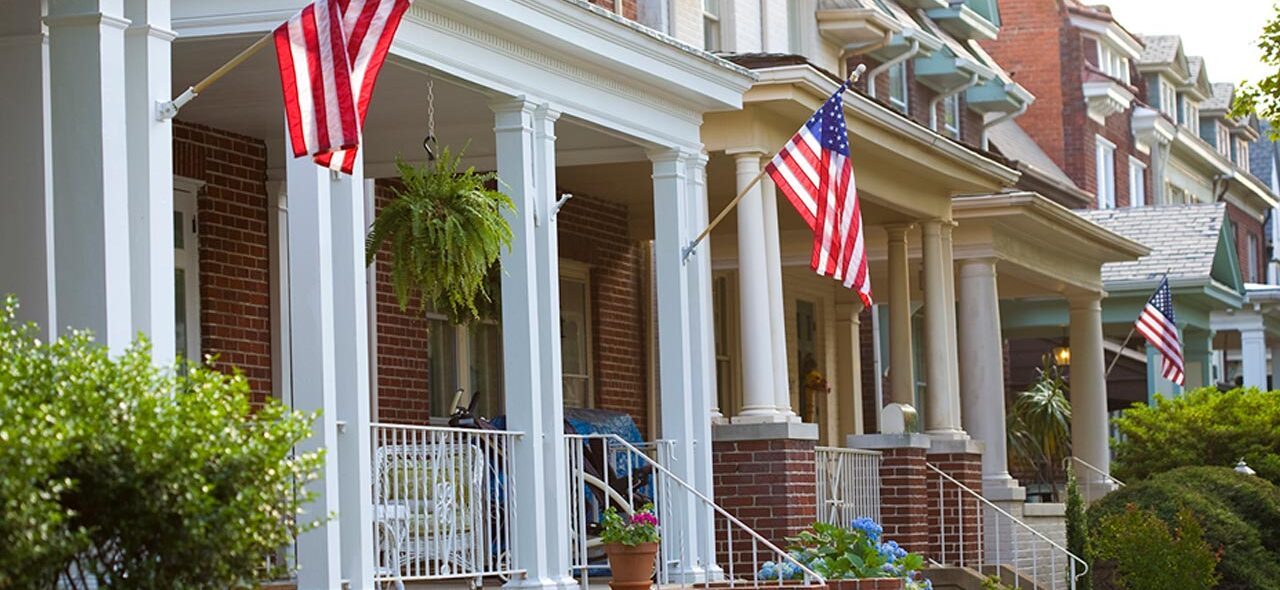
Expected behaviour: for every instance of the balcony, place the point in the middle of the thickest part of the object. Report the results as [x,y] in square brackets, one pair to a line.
[996,96]
[855,24]
[961,19]
[945,70]
[1105,97]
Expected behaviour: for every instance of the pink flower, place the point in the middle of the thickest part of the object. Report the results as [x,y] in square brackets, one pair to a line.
[644,518]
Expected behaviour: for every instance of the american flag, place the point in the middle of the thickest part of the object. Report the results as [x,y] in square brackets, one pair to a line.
[329,56]
[1157,325]
[814,172]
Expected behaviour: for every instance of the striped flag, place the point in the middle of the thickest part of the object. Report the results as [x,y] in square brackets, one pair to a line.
[814,172]
[329,56]
[1157,325]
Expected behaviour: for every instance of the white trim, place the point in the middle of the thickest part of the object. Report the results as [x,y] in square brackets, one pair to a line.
[1137,182]
[185,194]
[1112,32]
[1105,188]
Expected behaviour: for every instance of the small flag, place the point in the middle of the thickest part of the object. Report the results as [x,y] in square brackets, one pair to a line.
[815,173]
[329,56]
[1157,325]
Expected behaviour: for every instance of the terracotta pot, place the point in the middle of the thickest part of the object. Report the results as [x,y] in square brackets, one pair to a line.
[632,567]
[867,584]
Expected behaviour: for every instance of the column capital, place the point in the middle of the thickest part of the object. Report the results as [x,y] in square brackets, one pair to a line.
[515,104]
[983,266]
[897,231]
[747,151]
[671,155]
[1084,301]
[932,226]
[848,311]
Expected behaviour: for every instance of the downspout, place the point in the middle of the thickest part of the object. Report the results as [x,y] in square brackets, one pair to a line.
[850,49]
[871,76]
[985,143]
[933,104]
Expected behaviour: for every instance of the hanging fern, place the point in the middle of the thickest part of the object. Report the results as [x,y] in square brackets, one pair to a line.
[445,231]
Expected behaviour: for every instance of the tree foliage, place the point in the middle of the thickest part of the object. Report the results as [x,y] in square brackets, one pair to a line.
[138,477]
[445,231]
[1150,556]
[1078,542]
[1239,514]
[1263,97]
[1200,427]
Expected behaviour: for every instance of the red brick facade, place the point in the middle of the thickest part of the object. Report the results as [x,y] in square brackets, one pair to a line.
[955,517]
[1245,226]
[235,273]
[918,98]
[403,396]
[770,485]
[626,8]
[904,497]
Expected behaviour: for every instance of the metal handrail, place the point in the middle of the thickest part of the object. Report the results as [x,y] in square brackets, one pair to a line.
[1090,467]
[809,574]
[975,495]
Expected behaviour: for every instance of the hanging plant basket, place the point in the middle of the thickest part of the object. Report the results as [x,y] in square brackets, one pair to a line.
[444,230]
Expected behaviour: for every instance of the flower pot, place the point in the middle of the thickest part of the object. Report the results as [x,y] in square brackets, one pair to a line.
[868,584]
[632,567]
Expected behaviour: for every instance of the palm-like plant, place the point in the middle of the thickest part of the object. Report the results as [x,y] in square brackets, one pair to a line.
[1038,424]
[445,231]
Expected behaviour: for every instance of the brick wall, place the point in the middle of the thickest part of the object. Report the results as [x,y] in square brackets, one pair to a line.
[955,519]
[628,7]
[770,485]
[904,498]
[595,232]
[232,228]
[918,97]
[403,395]
[870,411]
[1247,225]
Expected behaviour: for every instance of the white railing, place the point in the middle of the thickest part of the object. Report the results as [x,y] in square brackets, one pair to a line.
[1094,483]
[443,503]
[996,542]
[848,484]
[605,470]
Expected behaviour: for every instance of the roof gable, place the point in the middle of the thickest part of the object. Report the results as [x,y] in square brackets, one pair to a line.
[1189,243]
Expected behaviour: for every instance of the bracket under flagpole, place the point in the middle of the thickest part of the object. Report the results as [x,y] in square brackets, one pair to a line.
[169,110]
[693,245]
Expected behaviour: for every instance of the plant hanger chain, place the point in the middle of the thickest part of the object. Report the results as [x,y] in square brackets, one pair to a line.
[429,143]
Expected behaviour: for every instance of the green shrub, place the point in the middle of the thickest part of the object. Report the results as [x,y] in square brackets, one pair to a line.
[1148,556]
[1240,515]
[1200,427]
[139,477]
[1078,535]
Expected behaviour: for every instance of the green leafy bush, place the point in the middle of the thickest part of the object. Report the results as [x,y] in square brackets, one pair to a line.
[1240,515]
[641,527]
[1148,556]
[135,476]
[1200,427]
[838,553]
[1078,535]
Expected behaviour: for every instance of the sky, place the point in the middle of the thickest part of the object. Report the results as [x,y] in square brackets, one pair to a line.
[1223,31]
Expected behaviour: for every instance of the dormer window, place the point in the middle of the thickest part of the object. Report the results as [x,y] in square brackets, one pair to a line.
[1242,154]
[1112,62]
[711,37]
[1188,113]
[898,86]
[1223,140]
[1168,99]
[951,116]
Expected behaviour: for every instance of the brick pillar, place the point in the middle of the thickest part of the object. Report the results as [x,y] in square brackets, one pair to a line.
[765,475]
[955,516]
[904,499]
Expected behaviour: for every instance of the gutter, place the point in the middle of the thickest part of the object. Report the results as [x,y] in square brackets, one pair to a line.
[933,104]
[985,142]
[871,76]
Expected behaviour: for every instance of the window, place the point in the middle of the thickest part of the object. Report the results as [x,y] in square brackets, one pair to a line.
[467,358]
[1177,194]
[951,116]
[186,273]
[1251,258]
[1223,139]
[898,88]
[1189,114]
[1168,99]
[1112,62]
[1105,173]
[795,17]
[1137,183]
[1242,154]
[575,336]
[711,40]
[724,361]
[807,355]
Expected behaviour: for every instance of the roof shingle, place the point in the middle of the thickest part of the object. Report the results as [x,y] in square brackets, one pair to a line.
[1159,49]
[1183,240]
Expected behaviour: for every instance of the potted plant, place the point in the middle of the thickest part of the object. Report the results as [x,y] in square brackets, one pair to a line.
[631,544]
[854,558]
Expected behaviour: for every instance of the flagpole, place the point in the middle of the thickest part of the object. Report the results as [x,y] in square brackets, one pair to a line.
[853,77]
[1116,358]
[169,110]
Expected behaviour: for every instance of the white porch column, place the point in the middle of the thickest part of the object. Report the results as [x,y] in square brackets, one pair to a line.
[982,370]
[90,188]
[848,370]
[150,172]
[524,358]
[703,354]
[311,306]
[902,372]
[1089,436]
[1275,367]
[672,232]
[777,313]
[1253,356]
[759,398]
[940,406]
[953,353]
[351,377]
[27,224]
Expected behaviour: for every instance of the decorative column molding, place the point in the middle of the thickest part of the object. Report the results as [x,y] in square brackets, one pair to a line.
[1089,433]
[90,189]
[311,307]
[519,130]
[672,232]
[902,373]
[777,307]
[150,173]
[351,375]
[848,370]
[759,398]
[1253,356]
[702,346]
[25,164]
[940,411]
[982,372]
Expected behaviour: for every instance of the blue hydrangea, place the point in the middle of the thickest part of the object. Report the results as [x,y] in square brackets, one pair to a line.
[891,551]
[788,570]
[868,527]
